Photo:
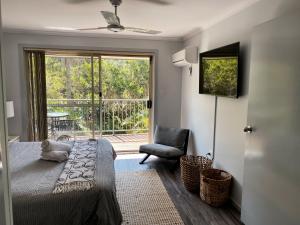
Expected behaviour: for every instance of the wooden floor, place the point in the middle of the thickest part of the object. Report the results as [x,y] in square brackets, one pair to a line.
[191,209]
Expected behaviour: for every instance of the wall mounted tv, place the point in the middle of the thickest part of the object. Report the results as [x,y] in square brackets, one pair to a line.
[220,71]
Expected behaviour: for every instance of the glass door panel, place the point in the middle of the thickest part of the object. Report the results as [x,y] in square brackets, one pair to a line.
[125,91]
[69,96]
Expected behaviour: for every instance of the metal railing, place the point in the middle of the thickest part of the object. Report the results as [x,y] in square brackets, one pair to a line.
[109,115]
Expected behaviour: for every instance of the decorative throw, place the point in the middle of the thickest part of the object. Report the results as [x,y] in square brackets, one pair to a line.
[79,171]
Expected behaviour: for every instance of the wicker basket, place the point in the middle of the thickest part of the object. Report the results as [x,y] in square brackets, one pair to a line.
[190,170]
[215,186]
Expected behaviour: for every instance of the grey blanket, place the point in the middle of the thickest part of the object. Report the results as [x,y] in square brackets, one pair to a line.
[33,180]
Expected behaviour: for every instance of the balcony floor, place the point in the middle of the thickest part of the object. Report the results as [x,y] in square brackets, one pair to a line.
[127,143]
[122,143]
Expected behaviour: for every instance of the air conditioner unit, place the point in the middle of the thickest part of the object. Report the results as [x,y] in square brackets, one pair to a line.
[185,57]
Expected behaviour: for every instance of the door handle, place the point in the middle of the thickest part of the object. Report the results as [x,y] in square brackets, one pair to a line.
[149,104]
[248,129]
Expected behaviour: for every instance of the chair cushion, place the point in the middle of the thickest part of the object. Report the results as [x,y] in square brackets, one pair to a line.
[171,136]
[161,150]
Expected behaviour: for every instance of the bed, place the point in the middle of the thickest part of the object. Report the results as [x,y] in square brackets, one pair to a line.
[33,181]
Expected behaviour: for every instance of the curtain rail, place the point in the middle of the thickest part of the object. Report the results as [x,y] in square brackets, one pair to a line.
[82,52]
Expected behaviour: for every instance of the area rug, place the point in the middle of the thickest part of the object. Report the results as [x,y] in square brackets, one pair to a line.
[144,200]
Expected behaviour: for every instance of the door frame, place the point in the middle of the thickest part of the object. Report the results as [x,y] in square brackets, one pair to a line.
[150,83]
[98,54]
[5,192]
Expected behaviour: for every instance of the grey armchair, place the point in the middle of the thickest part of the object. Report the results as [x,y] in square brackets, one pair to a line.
[169,143]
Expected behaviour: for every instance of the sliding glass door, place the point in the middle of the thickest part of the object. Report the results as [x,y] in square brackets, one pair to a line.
[125,94]
[92,96]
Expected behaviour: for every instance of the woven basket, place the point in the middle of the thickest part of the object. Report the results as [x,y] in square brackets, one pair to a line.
[190,170]
[215,186]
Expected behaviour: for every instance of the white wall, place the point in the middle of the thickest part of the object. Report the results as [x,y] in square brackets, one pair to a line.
[197,111]
[167,79]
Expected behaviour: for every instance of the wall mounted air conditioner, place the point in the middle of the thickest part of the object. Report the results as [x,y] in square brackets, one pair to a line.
[185,57]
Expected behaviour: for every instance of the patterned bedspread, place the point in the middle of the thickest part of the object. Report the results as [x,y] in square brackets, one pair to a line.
[33,181]
[79,171]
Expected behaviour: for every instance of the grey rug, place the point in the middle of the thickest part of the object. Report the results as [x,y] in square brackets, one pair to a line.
[144,200]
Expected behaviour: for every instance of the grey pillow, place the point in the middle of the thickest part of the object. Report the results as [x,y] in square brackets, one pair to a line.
[174,137]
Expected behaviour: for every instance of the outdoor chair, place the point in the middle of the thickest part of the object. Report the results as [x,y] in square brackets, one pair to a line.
[64,137]
[169,143]
[64,125]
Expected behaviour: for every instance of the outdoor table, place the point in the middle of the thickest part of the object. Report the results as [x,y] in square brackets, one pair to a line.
[53,116]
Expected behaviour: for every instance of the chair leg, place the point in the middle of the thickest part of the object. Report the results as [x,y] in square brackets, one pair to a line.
[176,165]
[144,159]
[178,162]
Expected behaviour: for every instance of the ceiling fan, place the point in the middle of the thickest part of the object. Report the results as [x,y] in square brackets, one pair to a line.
[160,2]
[114,23]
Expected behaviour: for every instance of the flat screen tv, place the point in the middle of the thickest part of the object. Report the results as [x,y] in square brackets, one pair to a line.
[220,71]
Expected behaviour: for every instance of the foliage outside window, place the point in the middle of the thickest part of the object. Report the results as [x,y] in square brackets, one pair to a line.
[69,89]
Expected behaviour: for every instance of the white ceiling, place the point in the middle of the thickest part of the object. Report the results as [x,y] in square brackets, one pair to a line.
[175,20]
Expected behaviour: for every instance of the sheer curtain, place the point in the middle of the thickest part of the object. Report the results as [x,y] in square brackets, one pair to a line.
[36,95]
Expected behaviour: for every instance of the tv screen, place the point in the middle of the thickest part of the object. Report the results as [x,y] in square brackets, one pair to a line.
[219,71]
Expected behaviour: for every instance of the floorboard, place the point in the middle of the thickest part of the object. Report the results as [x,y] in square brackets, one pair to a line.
[192,210]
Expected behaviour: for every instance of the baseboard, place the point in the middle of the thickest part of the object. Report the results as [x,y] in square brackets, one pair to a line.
[237,208]
[235,205]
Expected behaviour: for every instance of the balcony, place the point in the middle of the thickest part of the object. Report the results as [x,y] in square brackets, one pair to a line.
[124,122]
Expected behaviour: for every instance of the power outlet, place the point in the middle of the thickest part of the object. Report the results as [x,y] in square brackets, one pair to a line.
[210,153]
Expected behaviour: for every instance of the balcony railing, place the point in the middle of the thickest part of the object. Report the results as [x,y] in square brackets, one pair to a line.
[109,116]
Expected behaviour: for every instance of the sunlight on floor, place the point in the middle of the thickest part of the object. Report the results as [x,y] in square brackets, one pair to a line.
[133,156]
[130,156]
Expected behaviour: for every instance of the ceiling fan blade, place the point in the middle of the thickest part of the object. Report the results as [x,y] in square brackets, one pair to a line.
[95,28]
[78,1]
[141,30]
[160,2]
[111,18]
